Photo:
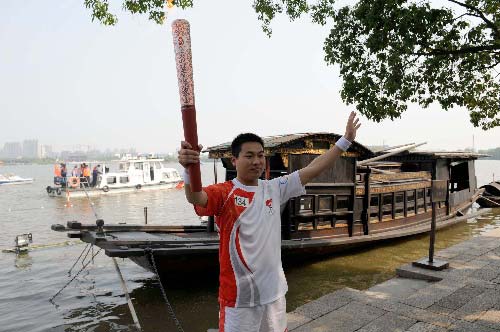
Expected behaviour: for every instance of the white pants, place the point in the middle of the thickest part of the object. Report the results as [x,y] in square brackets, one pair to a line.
[269,317]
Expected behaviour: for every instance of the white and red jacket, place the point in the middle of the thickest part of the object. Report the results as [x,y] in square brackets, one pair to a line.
[249,224]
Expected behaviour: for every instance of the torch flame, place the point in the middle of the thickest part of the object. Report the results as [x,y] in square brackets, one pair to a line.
[170,3]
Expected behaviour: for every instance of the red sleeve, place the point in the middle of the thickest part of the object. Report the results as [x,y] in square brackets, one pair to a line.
[216,195]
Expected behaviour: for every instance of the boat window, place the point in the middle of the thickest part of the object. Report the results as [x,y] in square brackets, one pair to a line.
[111,179]
[326,203]
[387,206]
[166,175]
[306,203]
[420,200]
[157,164]
[400,197]
[374,206]
[410,201]
[123,179]
[124,166]
[138,165]
[342,203]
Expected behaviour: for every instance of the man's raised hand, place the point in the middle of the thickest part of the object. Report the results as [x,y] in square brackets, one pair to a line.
[352,126]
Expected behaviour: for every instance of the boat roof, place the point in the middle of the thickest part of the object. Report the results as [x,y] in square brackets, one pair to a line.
[452,155]
[306,143]
[142,160]
[292,143]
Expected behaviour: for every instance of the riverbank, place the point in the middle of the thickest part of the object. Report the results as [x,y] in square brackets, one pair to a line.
[464,297]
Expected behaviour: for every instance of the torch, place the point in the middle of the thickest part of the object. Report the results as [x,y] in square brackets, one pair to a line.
[183,61]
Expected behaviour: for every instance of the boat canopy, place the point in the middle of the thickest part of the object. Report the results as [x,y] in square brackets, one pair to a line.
[301,143]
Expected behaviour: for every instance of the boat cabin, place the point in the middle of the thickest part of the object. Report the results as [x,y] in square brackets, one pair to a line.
[359,196]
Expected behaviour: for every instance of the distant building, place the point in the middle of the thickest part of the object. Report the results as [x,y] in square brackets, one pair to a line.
[12,150]
[31,149]
[46,151]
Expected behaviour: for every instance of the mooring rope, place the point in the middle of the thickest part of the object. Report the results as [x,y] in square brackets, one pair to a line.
[90,201]
[170,309]
[74,277]
[69,271]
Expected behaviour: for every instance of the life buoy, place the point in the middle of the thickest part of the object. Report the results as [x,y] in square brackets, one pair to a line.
[49,189]
[58,191]
[138,187]
[74,182]
[105,189]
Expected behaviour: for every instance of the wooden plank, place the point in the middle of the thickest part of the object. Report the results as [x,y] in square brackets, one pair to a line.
[401,176]
[360,190]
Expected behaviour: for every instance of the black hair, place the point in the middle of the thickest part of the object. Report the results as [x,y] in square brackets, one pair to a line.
[244,138]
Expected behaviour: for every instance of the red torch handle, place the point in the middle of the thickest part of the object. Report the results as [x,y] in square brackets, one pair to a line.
[191,136]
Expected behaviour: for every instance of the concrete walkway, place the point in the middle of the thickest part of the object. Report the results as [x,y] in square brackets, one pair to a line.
[463,298]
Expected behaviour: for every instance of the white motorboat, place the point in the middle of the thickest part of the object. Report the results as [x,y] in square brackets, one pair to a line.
[10,179]
[132,175]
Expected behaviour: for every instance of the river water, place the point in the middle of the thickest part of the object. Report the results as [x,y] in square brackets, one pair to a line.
[94,301]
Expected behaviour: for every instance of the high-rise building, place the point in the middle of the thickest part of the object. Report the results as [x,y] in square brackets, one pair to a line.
[12,150]
[31,148]
[46,151]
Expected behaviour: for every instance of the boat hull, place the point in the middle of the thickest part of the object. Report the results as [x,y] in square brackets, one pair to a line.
[95,192]
[180,253]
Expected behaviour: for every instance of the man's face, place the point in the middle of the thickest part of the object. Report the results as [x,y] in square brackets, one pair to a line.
[250,163]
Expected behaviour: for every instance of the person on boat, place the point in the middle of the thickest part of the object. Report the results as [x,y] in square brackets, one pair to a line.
[95,173]
[63,175]
[57,174]
[75,172]
[247,210]
[86,174]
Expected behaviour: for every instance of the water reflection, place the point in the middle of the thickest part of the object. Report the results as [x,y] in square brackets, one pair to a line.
[23,261]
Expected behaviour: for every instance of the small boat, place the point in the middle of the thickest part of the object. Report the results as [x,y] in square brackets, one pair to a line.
[366,198]
[132,175]
[10,179]
[491,196]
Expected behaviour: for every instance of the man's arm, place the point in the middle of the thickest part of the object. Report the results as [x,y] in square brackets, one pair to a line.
[327,159]
[186,157]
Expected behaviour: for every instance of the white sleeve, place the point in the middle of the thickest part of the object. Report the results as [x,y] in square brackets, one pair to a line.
[290,186]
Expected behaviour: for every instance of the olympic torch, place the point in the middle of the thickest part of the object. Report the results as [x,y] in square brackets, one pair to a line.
[183,61]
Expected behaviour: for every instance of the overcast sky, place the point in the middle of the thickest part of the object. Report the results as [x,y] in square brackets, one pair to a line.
[66,80]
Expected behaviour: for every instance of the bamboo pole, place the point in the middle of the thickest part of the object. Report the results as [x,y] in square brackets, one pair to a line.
[394,147]
[129,301]
[385,155]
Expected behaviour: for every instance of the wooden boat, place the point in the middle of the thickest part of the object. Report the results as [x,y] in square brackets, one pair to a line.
[365,198]
[491,196]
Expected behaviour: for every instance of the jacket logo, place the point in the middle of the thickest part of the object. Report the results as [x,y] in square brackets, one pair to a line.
[241,201]
[269,204]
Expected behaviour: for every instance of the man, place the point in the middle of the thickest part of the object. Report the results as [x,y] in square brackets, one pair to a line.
[247,210]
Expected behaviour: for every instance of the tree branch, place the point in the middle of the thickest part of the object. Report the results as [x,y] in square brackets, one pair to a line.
[481,15]
[463,50]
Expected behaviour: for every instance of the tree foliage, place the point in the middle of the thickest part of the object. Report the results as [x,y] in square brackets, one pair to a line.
[393,52]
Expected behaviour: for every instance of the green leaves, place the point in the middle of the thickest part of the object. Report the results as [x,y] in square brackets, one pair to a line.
[391,52]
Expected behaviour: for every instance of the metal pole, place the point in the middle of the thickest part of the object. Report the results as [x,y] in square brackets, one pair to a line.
[129,301]
[215,170]
[146,215]
[433,233]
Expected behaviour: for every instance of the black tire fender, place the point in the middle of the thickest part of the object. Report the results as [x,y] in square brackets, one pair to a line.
[138,187]
[105,189]
[58,191]
[49,189]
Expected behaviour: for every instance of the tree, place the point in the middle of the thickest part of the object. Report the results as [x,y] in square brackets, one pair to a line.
[393,52]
